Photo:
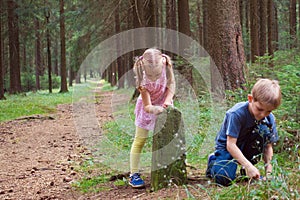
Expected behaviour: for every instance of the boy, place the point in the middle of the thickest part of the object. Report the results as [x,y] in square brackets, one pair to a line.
[247,132]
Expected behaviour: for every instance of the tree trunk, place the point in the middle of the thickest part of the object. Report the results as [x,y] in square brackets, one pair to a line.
[205,24]
[298,16]
[171,24]
[247,26]
[1,56]
[270,27]
[200,23]
[183,23]
[293,16]
[184,27]
[49,52]
[149,21]
[56,72]
[129,56]
[225,44]
[63,71]
[254,29]
[168,151]
[38,61]
[137,23]
[263,27]
[14,48]
[120,66]
[241,10]
[276,28]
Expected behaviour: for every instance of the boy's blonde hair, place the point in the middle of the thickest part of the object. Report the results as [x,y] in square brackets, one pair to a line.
[267,91]
[152,56]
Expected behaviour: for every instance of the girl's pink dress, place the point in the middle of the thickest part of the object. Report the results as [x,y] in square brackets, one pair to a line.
[157,91]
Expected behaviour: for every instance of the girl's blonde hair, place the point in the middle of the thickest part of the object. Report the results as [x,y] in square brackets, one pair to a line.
[153,56]
[267,91]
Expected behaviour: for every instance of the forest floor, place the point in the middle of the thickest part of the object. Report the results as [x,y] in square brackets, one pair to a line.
[39,156]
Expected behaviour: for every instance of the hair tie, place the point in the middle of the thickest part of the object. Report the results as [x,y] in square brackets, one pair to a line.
[163,55]
[141,58]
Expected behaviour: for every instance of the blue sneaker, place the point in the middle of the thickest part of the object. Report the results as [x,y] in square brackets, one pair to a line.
[136,181]
[210,162]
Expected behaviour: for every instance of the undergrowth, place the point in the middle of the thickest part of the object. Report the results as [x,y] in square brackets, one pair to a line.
[286,163]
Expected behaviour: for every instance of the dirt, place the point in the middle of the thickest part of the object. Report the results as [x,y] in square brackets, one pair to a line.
[39,156]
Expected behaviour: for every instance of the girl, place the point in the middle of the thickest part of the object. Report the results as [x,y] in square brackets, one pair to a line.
[156,84]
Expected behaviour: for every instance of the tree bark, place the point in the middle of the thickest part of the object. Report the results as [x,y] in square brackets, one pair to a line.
[247,26]
[270,27]
[120,67]
[200,23]
[254,29]
[263,27]
[241,10]
[63,71]
[205,24]
[14,48]
[225,44]
[298,16]
[171,24]
[183,23]
[38,61]
[293,16]
[1,56]
[276,28]
[56,72]
[47,14]
[184,27]
[150,21]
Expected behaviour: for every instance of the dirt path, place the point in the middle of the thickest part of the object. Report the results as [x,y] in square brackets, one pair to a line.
[38,155]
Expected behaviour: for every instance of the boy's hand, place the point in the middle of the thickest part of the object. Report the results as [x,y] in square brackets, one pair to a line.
[253,172]
[268,168]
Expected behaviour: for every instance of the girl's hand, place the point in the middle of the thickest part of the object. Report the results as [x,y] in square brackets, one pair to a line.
[157,110]
[167,104]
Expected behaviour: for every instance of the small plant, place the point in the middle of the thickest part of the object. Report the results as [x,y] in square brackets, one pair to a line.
[93,184]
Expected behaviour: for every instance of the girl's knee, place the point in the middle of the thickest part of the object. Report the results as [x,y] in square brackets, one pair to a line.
[139,142]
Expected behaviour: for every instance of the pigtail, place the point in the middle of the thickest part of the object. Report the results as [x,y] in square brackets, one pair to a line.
[170,74]
[139,71]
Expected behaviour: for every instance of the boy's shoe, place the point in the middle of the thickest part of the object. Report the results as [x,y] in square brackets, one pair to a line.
[136,181]
[210,162]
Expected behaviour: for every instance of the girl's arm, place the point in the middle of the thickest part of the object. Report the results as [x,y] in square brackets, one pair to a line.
[169,97]
[236,153]
[170,91]
[149,108]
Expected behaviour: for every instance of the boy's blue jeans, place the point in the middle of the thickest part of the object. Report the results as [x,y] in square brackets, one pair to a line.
[223,168]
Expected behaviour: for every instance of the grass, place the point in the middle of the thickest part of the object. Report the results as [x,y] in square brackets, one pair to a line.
[30,103]
[43,102]
[202,120]
[92,185]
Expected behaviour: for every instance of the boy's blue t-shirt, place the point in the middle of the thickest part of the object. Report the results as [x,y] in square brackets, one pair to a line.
[238,123]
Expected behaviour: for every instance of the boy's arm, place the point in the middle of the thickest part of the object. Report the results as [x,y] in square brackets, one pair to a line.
[268,154]
[236,153]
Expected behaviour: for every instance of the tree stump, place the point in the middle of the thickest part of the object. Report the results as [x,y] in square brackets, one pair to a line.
[168,151]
